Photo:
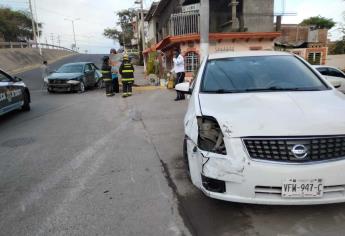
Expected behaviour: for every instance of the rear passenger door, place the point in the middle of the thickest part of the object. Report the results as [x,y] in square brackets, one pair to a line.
[4,103]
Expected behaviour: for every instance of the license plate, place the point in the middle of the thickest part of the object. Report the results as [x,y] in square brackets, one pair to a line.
[296,188]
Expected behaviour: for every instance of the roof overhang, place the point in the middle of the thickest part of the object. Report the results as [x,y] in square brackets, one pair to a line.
[171,40]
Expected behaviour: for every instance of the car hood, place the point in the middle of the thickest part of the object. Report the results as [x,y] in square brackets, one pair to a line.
[65,76]
[277,113]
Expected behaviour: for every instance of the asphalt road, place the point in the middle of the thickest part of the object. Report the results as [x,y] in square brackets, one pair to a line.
[85,164]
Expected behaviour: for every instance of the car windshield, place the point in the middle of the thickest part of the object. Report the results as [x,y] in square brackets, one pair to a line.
[259,74]
[71,69]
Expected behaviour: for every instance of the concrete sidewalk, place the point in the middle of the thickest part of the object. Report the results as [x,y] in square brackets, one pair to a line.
[140,79]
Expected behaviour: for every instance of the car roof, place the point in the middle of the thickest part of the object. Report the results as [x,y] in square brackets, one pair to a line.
[221,55]
[78,63]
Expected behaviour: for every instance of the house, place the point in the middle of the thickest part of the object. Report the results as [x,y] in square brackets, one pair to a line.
[137,29]
[235,25]
[306,41]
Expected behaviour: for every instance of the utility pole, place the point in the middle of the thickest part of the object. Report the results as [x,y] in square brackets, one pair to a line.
[138,29]
[141,2]
[52,38]
[204,27]
[33,23]
[37,30]
[73,20]
[59,40]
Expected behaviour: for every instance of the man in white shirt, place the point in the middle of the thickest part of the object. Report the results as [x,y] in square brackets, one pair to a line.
[180,72]
[44,72]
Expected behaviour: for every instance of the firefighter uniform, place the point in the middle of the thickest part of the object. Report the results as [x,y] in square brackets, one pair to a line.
[127,74]
[106,75]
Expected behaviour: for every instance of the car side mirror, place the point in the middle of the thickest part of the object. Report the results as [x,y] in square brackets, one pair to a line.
[183,88]
[17,79]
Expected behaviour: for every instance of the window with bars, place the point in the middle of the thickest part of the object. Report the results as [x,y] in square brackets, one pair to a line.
[191,61]
[314,58]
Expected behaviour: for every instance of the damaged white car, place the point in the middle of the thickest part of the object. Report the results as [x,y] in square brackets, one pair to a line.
[265,128]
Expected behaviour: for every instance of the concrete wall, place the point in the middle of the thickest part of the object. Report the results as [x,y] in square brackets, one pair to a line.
[336,61]
[258,15]
[296,33]
[18,60]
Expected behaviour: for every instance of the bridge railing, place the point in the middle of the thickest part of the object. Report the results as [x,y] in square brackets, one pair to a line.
[6,45]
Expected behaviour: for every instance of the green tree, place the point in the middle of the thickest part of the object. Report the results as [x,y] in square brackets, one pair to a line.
[320,22]
[125,35]
[16,25]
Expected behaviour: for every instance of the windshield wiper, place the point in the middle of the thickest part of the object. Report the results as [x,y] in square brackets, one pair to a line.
[278,89]
[221,91]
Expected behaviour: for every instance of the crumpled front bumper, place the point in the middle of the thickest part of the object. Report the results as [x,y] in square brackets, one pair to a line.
[258,182]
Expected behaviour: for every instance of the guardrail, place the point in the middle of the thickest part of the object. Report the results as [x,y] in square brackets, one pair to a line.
[6,45]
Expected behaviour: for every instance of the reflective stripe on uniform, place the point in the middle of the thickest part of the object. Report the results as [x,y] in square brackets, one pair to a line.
[127,71]
[105,71]
[107,79]
[127,79]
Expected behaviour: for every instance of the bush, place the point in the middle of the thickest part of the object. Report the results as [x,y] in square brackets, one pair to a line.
[150,68]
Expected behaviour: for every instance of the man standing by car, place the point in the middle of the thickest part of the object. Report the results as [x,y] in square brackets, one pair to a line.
[180,72]
[44,73]
[106,75]
[127,73]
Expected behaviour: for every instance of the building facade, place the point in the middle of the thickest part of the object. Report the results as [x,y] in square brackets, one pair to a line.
[305,41]
[235,25]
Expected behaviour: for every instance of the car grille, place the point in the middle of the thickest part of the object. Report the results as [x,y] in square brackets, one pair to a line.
[281,149]
[57,81]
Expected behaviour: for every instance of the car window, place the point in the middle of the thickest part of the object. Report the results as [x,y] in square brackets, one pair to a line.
[77,68]
[336,73]
[88,68]
[4,77]
[323,70]
[244,74]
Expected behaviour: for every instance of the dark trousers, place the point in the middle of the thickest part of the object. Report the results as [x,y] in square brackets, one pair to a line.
[108,87]
[127,88]
[179,79]
[116,85]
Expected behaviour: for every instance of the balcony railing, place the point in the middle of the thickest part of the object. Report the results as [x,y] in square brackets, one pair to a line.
[184,23]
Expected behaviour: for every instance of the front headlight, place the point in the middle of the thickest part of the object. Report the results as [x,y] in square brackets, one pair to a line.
[210,136]
[74,82]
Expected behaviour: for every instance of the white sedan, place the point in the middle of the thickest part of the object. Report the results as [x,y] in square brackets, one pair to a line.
[265,128]
[333,75]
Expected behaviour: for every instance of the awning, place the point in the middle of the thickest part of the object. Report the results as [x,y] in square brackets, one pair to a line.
[170,40]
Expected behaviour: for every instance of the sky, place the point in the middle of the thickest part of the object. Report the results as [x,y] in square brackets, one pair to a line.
[95,16]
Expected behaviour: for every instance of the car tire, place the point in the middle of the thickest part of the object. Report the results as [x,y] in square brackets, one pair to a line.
[81,87]
[26,99]
[185,157]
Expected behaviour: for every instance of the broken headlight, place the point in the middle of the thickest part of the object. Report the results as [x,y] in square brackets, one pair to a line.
[210,136]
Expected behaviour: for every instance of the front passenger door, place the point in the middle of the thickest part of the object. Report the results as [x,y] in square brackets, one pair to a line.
[89,75]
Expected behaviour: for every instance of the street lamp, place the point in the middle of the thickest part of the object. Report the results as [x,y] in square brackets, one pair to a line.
[72,20]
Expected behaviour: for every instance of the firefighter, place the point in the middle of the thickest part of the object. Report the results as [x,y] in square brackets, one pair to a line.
[106,75]
[127,73]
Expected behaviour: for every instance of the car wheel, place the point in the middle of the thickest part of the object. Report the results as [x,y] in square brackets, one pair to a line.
[26,99]
[81,87]
[185,157]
